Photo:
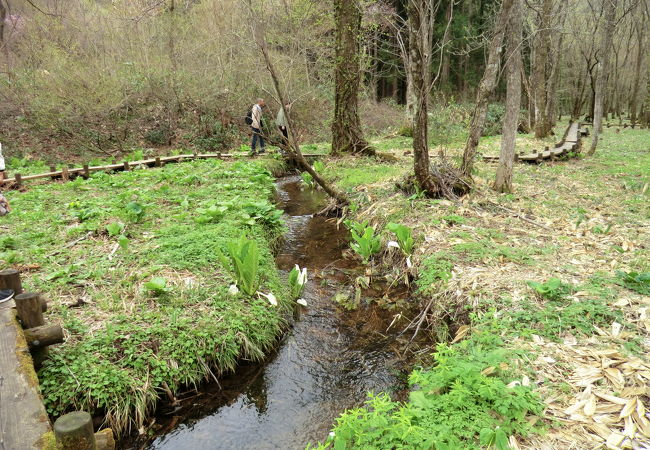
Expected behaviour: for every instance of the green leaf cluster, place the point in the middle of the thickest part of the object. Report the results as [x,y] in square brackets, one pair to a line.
[635,281]
[465,401]
[366,243]
[244,263]
[404,237]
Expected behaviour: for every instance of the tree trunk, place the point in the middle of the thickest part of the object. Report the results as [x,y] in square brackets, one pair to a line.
[554,76]
[446,60]
[540,70]
[419,69]
[503,181]
[485,89]
[608,34]
[346,128]
[636,84]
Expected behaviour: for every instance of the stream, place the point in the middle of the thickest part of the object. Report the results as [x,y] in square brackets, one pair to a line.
[327,362]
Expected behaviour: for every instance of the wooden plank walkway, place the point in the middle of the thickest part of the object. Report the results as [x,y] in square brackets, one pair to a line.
[67,174]
[569,143]
[23,420]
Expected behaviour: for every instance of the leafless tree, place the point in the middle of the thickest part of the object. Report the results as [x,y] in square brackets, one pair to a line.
[503,181]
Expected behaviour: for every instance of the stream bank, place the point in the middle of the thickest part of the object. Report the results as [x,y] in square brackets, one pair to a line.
[327,362]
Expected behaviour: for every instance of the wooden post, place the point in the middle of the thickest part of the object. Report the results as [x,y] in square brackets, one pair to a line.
[29,308]
[86,171]
[158,162]
[53,169]
[10,279]
[18,179]
[74,431]
[39,337]
[64,173]
[126,166]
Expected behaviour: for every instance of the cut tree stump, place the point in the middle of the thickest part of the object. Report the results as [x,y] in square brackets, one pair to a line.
[29,309]
[74,431]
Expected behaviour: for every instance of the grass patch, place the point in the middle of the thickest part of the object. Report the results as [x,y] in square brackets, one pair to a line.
[156,310]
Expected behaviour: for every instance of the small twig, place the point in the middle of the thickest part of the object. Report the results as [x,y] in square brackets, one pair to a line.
[71,244]
[532,222]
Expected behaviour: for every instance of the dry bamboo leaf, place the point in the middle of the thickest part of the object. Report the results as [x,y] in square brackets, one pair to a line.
[607,419]
[590,406]
[622,302]
[460,334]
[635,390]
[630,428]
[608,408]
[642,423]
[489,370]
[600,429]
[575,407]
[614,440]
[616,377]
[640,408]
[629,407]
[514,445]
[611,398]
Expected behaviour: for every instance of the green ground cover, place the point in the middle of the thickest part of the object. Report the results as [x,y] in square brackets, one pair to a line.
[129,263]
[581,280]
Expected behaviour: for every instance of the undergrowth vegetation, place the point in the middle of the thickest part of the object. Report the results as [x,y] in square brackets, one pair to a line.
[140,288]
[471,398]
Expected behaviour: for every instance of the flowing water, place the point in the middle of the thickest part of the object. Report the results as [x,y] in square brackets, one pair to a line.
[327,362]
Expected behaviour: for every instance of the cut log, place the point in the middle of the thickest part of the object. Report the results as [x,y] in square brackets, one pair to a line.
[39,337]
[74,431]
[29,309]
[10,279]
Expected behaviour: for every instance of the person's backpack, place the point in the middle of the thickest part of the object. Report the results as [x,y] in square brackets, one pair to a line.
[249,116]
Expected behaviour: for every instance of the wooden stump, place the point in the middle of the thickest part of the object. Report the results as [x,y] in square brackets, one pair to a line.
[105,440]
[53,169]
[30,309]
[39,337]
[18,179]
[74,431]
[158,162]
[86,173]
[126,166]
[10,279]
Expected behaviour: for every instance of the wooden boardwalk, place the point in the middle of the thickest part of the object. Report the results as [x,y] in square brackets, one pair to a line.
[569,143]
[23,420]
[66,174]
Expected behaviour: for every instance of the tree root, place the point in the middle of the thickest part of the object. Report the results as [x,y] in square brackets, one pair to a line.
[446,182]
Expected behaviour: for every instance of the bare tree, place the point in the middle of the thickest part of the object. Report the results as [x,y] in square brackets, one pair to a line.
[541,53]
[601,77]
[503,181]
[420,25]
[486,88]
[347,136]
[641,25]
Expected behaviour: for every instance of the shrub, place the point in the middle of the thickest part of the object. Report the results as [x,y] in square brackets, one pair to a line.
[494,119]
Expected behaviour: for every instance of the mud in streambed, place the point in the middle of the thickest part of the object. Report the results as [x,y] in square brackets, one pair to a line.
[326,363]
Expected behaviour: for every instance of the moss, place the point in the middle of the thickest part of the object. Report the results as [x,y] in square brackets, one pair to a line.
[47,441]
